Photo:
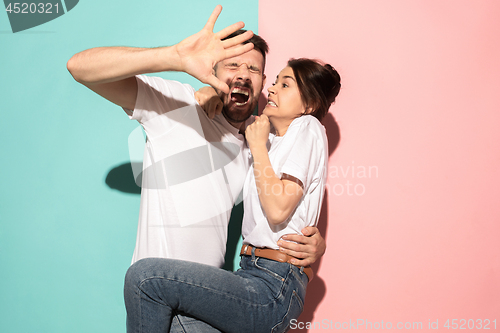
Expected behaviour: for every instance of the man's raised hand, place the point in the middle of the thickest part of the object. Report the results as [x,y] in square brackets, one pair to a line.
[199,53]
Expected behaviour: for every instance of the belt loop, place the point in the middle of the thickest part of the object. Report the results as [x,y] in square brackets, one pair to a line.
[253,253]
[301,269]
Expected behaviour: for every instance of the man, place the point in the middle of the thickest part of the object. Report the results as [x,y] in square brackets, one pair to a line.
[194,166]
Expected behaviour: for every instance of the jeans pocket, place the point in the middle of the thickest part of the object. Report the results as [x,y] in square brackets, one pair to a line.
[295,308]
[278,270]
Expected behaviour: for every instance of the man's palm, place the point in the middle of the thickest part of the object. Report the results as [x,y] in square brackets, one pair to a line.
[200,52]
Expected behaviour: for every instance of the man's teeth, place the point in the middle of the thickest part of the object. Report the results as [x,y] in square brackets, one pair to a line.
[271,103]
[240,91]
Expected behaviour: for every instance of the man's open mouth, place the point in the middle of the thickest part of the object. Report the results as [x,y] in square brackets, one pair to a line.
[239,96]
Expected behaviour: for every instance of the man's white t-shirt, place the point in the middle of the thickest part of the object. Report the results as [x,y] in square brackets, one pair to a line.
[193,172]
[302,153]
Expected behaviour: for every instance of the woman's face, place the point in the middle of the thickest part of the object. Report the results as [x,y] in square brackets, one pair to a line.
[284,100]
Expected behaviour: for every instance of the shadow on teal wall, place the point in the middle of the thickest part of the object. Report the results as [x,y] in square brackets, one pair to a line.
[121,178]
[66,237]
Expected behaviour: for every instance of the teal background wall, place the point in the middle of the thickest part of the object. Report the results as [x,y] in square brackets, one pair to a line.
[66,238]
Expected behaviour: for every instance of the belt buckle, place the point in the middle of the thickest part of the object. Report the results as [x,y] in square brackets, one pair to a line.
[245,249]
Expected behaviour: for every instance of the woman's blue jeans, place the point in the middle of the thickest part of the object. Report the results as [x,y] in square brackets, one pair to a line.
[262,296]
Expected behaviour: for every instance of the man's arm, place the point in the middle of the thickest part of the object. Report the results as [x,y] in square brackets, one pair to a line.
[306,248]
[110,71]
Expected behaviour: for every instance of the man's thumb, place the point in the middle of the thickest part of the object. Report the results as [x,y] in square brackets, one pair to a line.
[217,84]
[307,231]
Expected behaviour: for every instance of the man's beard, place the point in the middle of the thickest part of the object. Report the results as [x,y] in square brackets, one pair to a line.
[242,116]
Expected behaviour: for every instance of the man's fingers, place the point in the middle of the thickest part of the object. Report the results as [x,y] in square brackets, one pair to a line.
[297,255]
[300,257]
[291,246]
[237,40]
[238,50]
[217,84]
[299,239]
[303,262]
[213,18]
[305,249]
[229,30]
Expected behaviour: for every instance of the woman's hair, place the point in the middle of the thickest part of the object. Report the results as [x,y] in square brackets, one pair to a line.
[318,84]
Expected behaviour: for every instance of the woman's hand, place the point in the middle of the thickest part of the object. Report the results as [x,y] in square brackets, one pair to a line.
[257,133]
[209,101]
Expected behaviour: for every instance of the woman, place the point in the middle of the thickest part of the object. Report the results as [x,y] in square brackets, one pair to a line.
[282,194]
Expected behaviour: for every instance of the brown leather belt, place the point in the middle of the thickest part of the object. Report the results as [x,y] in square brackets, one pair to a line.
[275,255]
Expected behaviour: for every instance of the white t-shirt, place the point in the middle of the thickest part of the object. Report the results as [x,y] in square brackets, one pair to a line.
[302,153]
[193,171]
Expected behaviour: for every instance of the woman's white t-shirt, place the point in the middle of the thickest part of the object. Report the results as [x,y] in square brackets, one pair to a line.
[302,153]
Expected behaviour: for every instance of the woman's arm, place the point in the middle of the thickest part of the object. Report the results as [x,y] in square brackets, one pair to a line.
[278,197]
[209,101]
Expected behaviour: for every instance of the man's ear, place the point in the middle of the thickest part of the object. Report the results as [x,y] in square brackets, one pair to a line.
[263,81]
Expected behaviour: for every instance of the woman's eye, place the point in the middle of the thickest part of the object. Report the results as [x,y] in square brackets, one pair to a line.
[285,85]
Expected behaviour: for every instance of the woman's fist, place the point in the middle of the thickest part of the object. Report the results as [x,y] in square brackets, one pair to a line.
[257,133]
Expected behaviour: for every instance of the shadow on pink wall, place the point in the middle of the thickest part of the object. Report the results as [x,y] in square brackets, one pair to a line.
[316,290]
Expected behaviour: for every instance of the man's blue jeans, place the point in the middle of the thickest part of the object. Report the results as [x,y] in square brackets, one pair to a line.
[262,296]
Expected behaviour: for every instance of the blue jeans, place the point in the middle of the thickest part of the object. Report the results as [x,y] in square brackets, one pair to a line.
[184,323]
[262,296]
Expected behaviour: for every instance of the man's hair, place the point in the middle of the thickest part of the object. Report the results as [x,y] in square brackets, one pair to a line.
[258,42]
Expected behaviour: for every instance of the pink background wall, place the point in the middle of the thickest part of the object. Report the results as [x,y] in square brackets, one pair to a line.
[418,238]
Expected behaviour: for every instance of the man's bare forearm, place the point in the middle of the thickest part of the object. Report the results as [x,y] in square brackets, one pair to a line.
[109,64]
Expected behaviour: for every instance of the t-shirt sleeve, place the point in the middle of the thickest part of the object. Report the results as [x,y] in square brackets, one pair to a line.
[304,156]
[156,96]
